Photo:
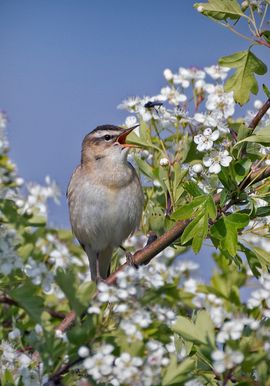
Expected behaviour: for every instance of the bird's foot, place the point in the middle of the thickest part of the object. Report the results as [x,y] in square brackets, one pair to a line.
[99,279]
[130,260]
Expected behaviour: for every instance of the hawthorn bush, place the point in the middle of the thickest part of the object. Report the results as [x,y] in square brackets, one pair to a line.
[205,171]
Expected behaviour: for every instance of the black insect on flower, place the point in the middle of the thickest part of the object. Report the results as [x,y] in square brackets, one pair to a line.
[151,105]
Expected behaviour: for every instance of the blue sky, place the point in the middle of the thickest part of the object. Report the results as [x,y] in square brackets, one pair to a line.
[66,65]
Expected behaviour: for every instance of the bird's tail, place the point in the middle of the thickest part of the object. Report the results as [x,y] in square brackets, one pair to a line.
[101,260]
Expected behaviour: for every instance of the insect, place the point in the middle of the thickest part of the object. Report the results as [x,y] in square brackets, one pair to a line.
[150,105]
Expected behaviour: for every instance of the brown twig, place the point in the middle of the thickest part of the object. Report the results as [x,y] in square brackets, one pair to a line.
[54,379]
[255,121]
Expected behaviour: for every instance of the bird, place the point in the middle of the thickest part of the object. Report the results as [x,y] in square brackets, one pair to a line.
[105,197]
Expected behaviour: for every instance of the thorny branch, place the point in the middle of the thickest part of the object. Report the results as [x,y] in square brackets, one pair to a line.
[146,254]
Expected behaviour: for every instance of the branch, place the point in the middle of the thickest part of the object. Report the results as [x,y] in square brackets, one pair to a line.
[54,379]
[256,120]
[146,254]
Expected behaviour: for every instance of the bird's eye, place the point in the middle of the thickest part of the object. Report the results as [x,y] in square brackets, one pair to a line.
[107,137]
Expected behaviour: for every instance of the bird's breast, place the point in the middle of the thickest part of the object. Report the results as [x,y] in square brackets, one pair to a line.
[105,211]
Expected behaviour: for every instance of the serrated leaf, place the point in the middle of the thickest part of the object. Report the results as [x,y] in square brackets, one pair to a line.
[220,9]
[187,329]
[26,296]
[176,372]
[224,231]
[243,81]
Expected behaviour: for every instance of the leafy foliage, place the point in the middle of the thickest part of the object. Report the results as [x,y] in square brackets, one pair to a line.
[243,81]
[221,10]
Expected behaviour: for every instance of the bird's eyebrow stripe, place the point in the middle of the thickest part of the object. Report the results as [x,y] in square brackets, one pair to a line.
[102,133]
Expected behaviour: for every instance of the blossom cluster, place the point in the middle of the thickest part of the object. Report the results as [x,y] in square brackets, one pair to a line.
[210,127]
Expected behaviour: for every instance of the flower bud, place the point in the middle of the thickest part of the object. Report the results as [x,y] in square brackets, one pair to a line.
[83,352]
[258,104]
[164,162]
[197,168]
[168,75]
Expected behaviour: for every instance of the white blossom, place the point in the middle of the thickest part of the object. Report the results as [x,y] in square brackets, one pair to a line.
[132,121]
[83,352]
[164,162]
[217,72]
[216,160]
[226,360]
[218,100]
[168,75]
[106,293]
[206,140]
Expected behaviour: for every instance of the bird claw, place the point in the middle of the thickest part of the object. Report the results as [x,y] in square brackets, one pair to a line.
[99,279]
[130,260]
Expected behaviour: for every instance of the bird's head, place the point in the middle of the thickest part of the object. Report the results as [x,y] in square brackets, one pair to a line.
[107,141]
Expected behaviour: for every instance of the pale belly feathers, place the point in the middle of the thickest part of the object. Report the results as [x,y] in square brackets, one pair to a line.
[103,217]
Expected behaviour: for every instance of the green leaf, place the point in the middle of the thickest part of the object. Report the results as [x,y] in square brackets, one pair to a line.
[261,136]
[37,220]
[266,36]
[176,373]
[266,90]
[243,81]
[226,179]
[238,220]
[144,167]
[253,261]
[224,231]
[66,280]
[211,207]
[192,228]
[261,212]
[26,296]
[7,379]
[263,257]
[193,189]
[205,327]
[187,210]
[25,250]
[187,329]
[241,169]
[200,235]
[220,9]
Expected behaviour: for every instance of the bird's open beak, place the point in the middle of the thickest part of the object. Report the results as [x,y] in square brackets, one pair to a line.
[122,137]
